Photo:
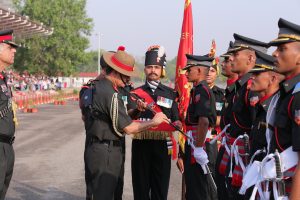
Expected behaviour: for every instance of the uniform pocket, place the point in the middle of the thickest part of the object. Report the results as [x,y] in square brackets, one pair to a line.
[115,160]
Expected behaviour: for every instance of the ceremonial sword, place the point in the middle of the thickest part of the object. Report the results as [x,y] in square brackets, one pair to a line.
[149,107]
[247,148]
[209,173]
[279,176]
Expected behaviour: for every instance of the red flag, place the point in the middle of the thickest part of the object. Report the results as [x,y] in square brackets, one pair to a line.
[185,47]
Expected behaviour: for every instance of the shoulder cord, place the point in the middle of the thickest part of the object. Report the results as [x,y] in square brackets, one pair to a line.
[114,113]
[270,119]
[14,109]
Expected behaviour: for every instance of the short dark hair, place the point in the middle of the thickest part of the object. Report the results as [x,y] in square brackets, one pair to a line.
[103,64]
[108,69]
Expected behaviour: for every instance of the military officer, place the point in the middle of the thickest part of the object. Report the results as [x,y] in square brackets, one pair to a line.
[241,113]
[217,91]
[201,117]
[152,149]
[230,85]
[287,118]
[225,116]
[265,81]
[7,124]
[219,94]
[109,123]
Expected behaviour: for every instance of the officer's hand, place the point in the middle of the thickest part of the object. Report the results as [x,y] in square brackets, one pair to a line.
[141,106]
[180,165]
[178,124]
[159,118]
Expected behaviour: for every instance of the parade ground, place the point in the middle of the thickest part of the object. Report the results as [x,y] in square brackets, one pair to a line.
[49,164]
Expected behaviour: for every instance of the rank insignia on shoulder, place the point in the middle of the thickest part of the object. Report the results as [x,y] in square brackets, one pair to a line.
[297,117]
[164,102]
[297,88]
[197,98]
[254,100]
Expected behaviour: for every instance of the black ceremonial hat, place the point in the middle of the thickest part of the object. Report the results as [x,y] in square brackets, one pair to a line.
[242,42]
[227,54]
[264,62]
[288,32]
[194,60]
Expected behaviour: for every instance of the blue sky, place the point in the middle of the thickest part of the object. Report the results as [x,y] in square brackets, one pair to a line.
[137,24]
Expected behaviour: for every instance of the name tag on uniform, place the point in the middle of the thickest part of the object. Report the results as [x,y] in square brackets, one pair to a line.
[219,106]
[124,98]
[164,102]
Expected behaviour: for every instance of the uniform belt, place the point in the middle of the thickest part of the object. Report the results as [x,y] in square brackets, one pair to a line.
[115,143]
[7,139]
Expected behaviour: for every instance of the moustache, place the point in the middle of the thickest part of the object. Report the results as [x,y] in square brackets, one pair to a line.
[153,74]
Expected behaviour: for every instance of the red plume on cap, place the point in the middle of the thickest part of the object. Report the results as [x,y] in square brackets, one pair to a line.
[121,48]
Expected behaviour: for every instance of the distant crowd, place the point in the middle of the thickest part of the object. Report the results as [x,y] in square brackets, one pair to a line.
[30,82]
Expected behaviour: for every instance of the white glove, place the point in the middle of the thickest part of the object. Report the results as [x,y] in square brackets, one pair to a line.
[200,156]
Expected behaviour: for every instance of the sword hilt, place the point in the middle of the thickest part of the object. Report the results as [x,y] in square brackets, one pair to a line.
[279,174]
[246,147]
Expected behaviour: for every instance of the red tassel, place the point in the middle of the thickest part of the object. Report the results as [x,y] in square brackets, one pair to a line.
[237,176]
[121,48]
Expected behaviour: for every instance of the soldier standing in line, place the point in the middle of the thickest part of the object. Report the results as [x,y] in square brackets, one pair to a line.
[287,118]
[201,117]
[212,149]
[265,81]
[7,123]
[225,116]
[241,114]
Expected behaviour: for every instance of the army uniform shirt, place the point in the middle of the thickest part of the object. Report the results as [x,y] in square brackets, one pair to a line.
[242,114]
[6,122]
[102,128]
[287,120]
[202,104]
[258,131]
[226,109]
[164,97]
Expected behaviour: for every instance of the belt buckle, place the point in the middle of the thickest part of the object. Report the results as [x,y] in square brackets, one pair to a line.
[12,139]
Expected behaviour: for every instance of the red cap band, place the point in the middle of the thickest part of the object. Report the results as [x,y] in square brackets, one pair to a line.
[121,65]
[5,37]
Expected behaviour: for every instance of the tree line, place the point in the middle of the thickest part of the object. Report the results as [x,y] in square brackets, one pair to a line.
[64,52]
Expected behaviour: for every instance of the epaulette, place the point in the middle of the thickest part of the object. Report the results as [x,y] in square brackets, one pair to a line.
[297,88]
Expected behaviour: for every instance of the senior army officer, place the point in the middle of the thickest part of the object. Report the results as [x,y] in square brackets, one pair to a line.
[111,122]
[7,124]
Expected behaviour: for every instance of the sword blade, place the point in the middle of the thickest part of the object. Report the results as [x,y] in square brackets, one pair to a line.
[211,179]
